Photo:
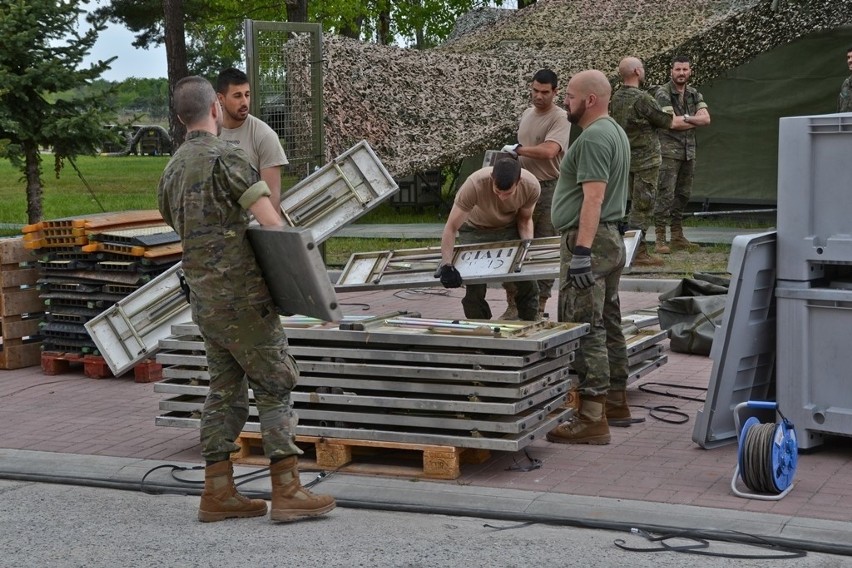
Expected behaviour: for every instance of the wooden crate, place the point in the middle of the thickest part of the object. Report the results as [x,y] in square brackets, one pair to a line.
[369,456]
[21,308]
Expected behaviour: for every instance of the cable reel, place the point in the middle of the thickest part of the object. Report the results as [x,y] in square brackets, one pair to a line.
[767,456]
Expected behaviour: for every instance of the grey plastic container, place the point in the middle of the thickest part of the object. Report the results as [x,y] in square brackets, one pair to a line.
[814,351]
[814,194]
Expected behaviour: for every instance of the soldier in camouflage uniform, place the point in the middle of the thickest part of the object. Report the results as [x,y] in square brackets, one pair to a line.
[844,99]
[589,202]
[640,116]
[206,192]
[678,150]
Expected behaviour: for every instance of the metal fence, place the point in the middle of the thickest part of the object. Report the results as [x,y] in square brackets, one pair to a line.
[284,66]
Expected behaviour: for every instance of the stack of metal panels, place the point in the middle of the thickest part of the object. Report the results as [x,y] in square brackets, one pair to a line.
[469,384]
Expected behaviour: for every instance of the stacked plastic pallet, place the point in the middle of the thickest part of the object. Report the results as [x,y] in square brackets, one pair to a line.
[86,264]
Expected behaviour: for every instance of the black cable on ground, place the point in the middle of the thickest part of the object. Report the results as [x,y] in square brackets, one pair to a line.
[517,517]
[701,545]
[644,388]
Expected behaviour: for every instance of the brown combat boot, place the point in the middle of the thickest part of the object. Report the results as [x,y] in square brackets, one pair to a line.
[589,427]
[680,242]
[291,501]
[220,499]
[643,258]
[660,245]
[511,312]
[618,411]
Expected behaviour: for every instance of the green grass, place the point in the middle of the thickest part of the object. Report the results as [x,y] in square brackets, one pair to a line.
[117,184]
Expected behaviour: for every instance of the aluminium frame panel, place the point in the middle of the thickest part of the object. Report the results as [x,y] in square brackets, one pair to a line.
[506,443]
[385,415]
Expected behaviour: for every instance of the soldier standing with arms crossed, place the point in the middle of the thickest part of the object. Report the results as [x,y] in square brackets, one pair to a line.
[205,194]
[543,135]
[640,116]
[677,146]
[844,99]
[589,202]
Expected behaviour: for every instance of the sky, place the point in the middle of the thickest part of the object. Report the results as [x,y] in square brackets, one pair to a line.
[116,40]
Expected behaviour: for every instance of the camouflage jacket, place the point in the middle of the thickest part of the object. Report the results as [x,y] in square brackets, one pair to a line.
[204,194]
[844,99]
[678,144]
[640,116]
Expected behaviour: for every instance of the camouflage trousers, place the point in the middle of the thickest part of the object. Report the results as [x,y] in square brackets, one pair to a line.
[474,303]
[246,347]
[673,191]
[643,195]
[542,227]
[601,360]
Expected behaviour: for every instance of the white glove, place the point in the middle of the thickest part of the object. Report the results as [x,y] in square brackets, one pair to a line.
[511,149]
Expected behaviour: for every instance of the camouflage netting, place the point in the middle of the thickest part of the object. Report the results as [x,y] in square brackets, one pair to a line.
[425,109]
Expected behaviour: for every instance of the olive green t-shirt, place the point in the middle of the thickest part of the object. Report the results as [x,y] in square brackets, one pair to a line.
[600,153]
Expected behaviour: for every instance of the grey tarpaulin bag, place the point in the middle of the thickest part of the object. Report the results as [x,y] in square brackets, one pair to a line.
[692,311]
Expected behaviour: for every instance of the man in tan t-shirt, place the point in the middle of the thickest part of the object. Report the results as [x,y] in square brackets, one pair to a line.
[248,132]
[493,204]
[543,135]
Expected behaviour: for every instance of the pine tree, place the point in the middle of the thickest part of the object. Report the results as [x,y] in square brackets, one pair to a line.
[41,53]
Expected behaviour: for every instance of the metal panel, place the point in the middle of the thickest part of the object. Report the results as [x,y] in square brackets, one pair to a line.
[461,404]
[507,443]
[454,374]
[163,295]
[500,261]
[294,272]
[339,192]
[128,332]
[546,335]
[189,381]
[743,349]
[338,416]
[542,336]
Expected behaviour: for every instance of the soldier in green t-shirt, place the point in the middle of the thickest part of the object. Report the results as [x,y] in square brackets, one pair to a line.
[588,204]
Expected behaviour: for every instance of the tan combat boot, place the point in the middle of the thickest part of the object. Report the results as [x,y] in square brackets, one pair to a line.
[680,242]
[291,501]
[511,312]
[618,411]
[220,499]
[660,245]
[589,427]
[642,257]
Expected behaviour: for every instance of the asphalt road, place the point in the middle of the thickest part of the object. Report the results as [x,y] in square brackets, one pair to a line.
[48,525]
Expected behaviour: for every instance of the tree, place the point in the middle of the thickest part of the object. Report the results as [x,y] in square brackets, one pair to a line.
[41,52]
[175,62]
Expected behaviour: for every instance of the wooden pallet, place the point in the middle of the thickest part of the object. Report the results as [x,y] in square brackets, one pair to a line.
[369,456]
[95,366]
[20,306]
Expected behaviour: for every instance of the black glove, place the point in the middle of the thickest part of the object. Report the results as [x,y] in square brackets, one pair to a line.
[450,277]
[580,269]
